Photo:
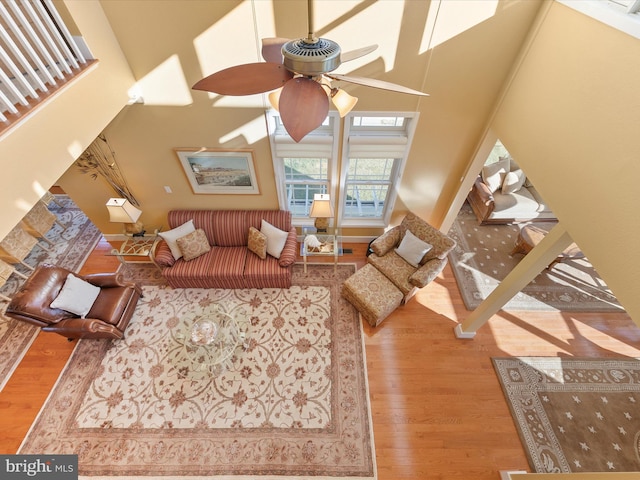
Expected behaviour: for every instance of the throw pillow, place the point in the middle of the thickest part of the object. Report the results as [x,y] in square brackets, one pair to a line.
[172,235]
[276,238]
[412,249]
[493,174]
[76,296]
[257,242]
[193,244]
[513,182]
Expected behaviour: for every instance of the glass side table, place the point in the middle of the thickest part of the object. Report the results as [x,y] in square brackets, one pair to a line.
[137,249]
[325,244]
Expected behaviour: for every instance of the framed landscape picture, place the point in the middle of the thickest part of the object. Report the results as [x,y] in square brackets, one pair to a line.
[219,171]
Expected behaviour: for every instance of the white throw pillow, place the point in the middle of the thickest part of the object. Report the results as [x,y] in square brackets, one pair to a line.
[513,181]
[76,296]
[494,173]
[276,238]
[412,249]
[172,236]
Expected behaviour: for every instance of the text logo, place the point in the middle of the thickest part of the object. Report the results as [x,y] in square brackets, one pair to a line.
[37,467]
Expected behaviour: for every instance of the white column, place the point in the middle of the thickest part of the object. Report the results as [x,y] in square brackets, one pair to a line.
[529,267]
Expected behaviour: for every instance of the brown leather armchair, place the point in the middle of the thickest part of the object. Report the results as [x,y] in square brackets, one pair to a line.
[108,317]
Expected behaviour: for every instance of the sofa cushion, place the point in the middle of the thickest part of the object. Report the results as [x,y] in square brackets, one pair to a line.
[163,256]
[76,296]
[520,204]
[257,243]
[266,273]
[395,268]
[412,249]
[276,238]
[193,244]
[218,268]
[174,234]
[493,174]
[290,251]
[442,244]
[513,181]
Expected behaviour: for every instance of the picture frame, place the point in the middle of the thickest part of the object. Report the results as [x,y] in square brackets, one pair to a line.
[217,171]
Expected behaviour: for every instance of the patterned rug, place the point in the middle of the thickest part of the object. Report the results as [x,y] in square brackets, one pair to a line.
[482,259]
[575,415]
[70,250]
[293,404]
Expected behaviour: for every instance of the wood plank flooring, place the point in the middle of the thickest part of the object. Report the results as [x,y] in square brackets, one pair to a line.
[437,408]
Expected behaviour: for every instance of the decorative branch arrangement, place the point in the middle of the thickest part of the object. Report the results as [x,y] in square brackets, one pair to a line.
[100,159]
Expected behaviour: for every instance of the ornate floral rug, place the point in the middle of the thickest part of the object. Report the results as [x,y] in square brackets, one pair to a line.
[70,250]
[482,259]
[293,402]
[575,414]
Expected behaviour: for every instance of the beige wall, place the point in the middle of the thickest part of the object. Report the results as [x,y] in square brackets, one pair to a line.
[571,118]
[36,153]
[173,46]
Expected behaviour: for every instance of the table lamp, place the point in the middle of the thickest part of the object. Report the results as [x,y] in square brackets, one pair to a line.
[321,210]
[121,210]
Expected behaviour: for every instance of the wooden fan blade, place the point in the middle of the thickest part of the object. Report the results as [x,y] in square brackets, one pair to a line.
[272,49]
[303,106]
[245,79]
[370,82]
[353,54]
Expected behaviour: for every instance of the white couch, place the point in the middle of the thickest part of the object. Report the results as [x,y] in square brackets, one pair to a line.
[502,194]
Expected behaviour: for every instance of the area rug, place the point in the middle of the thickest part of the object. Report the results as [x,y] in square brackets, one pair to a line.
[482,259]
[575,414]
[70,250]
[293,404]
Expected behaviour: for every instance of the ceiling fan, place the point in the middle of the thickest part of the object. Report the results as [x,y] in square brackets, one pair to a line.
[298,72]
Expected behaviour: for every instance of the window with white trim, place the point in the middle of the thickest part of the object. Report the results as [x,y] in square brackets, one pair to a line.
[305,168]
[375,151]
[623,15]
[630,6]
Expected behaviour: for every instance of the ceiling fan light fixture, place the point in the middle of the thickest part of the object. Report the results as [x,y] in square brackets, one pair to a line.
[343,102]
[274,99]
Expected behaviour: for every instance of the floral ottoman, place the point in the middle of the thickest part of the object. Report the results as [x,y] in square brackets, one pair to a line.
[373,294]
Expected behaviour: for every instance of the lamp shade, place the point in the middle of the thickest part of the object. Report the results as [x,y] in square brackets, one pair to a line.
[274,99]
[321,206]
[343,102]
[121,210]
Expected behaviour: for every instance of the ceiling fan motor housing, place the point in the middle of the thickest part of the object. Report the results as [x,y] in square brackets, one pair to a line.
[312,59]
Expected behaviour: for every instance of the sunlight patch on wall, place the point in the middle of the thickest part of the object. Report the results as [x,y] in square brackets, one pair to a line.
[38,188]
[378,24]
[232,40]
[453,18]
[23,205]
[164,85]
[75,149]
[252,132]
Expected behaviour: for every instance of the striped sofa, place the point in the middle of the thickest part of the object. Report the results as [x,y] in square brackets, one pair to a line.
[229,263]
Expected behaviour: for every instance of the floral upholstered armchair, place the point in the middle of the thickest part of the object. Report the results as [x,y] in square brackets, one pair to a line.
[411,254]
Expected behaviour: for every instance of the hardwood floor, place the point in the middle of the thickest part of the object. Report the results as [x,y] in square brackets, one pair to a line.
[437,408]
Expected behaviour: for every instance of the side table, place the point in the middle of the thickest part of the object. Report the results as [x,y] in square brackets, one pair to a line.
[325,244]
[531,235]
[137,249]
